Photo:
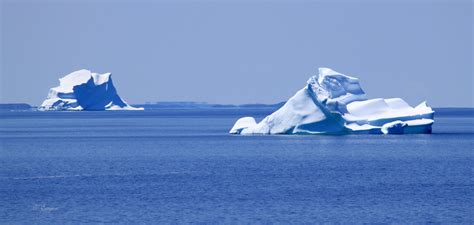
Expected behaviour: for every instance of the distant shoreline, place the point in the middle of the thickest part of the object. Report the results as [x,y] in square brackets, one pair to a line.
[161,105]
[204,105]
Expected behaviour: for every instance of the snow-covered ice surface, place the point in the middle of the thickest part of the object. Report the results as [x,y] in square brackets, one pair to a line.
[242,123]
[334,103]
[84,90]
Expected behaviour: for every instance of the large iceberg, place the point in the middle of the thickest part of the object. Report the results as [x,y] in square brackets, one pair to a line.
[334,103]
[84,90]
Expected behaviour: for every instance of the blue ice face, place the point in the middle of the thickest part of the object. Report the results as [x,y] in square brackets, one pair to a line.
[96,97]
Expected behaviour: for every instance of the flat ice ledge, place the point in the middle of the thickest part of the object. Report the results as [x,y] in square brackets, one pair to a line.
[406,127]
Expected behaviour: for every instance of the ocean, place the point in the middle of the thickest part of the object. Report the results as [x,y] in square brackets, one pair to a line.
[181,166]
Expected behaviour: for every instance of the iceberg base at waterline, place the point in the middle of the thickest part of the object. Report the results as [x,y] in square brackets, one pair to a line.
[84,90]
[334,103]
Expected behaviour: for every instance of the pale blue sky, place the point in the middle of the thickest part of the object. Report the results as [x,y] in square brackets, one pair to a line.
[239,51]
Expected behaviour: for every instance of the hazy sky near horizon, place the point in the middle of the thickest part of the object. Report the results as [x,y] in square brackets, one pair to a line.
[239,51]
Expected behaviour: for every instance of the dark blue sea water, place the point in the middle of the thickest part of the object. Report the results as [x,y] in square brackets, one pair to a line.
[181,166]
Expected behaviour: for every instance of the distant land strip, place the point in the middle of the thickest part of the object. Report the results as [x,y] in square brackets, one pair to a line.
[204,105]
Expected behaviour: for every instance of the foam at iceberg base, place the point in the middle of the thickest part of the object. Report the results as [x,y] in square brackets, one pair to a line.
[334,103]
[84,90]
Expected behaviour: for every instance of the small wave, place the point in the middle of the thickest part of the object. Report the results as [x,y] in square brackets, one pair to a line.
[89,175]
[44,208]
[48,177]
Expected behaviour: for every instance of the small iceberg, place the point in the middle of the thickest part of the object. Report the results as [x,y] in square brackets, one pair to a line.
[84,90]
[334,103]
